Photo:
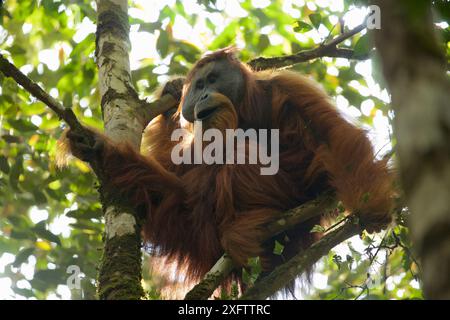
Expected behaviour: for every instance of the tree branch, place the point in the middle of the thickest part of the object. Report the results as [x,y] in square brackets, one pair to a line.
[300,263]
[9,70]
[224,266]
[167,101]
[303,261]
[324,50]
[205,288]
[148,110]
[346,35]
[151,110]
[32,87]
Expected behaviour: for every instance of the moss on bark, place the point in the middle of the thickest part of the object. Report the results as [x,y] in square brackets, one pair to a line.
[120,269]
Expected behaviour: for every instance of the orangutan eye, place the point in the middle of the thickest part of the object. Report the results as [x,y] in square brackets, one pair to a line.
[212,77]
[199,84]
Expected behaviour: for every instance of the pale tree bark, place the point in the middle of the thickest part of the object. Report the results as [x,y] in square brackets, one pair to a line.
[422,134]
[120,268]
[415,70]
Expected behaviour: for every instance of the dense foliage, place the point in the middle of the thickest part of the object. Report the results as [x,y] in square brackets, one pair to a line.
[51,219]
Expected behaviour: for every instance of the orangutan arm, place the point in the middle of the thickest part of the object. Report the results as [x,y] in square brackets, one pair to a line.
[340,149]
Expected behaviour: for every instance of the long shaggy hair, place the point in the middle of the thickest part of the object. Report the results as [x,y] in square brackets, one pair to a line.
[197,212]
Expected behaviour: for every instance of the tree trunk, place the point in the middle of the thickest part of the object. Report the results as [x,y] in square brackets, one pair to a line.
[120,268]
[415,70]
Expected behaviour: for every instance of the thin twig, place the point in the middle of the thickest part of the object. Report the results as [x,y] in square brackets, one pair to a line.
[324,50]
[32,87]
[150,110]
[344,36]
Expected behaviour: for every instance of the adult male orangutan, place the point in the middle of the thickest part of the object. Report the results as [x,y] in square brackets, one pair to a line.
[196,212]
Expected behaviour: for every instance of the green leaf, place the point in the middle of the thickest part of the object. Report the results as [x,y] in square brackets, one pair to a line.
[84,47]
[246,277]
[443,8]
[234,291]
[263,42]
[227,37]
[337,259]
[340,207]
[302,27]
[67,100]
[188,50]
[406,261]
[43,233]
[255,265]
[4,165]
[16,50]
[22,256]
[84,214]
[22,235]
[249,276]
[19,221]
[16,171]
[22,125]
[363,45]
[24,292]
[11,139]
[278,248]
[150,27]
[162,44]
[33,108]
[50,123]
[48,276]
[316,19]
[318,228]
[39,197]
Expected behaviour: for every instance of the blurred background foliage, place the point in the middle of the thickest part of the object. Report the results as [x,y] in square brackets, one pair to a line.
[51,219]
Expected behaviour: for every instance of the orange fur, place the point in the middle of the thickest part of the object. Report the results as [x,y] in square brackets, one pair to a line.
[195,212]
